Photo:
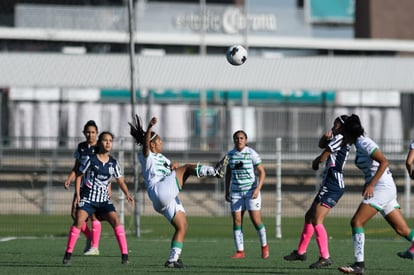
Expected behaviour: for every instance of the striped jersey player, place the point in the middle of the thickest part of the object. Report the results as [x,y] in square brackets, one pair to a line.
[243,191]
[96,172]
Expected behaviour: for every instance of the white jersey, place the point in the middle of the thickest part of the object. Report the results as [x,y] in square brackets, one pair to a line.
[385,191]
[365,148]
[155,168]
[242,165]
[161,183]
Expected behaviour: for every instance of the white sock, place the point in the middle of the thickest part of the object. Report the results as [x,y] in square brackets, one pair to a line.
[175,253]
[238,239]
[262,236]
[359,242]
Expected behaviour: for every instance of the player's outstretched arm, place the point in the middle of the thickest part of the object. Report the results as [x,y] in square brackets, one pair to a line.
[146,147]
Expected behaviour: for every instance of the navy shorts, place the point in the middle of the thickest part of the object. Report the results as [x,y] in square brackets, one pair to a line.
[97,208]
[332,189]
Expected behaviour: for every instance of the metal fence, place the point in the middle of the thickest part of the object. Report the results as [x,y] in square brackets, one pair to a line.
[32,180]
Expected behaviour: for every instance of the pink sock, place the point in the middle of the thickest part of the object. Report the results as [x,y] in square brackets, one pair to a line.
[305,237]
[121,238]
[411,249]
[85,230]
[96,233]
[72,238]
[322,240]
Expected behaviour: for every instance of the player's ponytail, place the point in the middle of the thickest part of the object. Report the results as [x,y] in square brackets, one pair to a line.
[136,130]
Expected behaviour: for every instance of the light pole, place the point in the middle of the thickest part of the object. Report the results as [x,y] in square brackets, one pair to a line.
[133,102]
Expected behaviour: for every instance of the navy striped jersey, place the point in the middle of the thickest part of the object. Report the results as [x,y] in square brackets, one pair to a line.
[83,149]
[97,177]
[339,154]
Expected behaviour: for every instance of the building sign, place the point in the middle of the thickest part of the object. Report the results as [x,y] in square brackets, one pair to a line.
[231,21]
[159,17]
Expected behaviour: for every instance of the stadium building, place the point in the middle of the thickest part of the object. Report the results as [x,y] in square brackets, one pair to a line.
[42,43]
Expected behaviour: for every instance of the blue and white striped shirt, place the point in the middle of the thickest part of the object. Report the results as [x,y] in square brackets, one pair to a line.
[97,177]
[339,154]
[83,149]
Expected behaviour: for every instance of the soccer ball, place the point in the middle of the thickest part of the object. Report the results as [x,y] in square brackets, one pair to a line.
[236,55]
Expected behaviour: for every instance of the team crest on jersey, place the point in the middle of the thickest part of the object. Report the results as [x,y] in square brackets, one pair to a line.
[238,165]
[111,170]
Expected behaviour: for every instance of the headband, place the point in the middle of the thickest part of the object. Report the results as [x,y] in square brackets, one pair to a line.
[155,134]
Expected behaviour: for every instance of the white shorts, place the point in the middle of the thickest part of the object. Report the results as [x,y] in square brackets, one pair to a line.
[385,196]
[171,209]
[164,197]
[241,201]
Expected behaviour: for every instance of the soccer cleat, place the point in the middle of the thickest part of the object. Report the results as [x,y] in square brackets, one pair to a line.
[88,245]
[265,252]
[67,259]
[352,269]
[176,264]
[124,259]
[295,256]
[238,255]
[93,251]
[322,262]
[406,255]
[221,167]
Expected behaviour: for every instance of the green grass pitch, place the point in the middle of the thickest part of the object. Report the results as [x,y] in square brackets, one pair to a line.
[36,244]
